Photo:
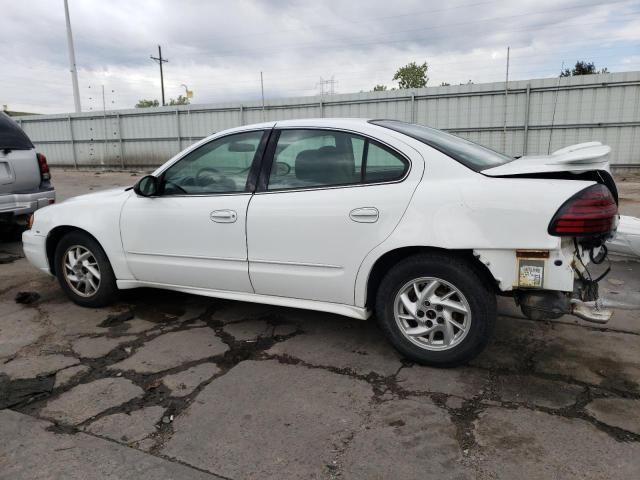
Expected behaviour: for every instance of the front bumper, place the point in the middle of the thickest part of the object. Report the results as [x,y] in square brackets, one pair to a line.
[35,249]
[26,203]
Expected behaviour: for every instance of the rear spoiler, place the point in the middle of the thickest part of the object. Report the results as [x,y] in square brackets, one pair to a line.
[579,158]
[588,152]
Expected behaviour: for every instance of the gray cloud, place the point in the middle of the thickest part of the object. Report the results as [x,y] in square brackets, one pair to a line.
[218,48]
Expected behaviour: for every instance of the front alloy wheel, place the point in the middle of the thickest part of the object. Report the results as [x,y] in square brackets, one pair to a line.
[437,309]
[81,271]
[84,271]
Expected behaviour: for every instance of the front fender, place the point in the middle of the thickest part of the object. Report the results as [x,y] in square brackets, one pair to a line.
[97,214]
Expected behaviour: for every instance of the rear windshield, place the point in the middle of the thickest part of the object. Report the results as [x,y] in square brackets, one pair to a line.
[470,154]
[11,135]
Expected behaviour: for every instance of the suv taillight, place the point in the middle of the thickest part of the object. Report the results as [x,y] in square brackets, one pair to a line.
[45,174]
[590,212]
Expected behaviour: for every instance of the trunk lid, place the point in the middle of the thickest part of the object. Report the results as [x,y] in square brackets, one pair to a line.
[575,159]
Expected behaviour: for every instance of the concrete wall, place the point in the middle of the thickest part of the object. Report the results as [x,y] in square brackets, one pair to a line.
[592,107]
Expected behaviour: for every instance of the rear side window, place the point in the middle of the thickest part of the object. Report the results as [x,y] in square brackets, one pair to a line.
[319,158]
[476,157]
[383,165]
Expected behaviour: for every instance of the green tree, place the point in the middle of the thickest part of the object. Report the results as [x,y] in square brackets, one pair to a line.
[412,75]
[583,68]
[147,103]
[379,88]
[181,100]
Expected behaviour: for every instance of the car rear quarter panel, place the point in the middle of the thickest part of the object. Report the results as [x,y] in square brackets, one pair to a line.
[455,208]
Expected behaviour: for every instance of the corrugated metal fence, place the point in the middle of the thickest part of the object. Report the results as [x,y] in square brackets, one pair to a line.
[584,108]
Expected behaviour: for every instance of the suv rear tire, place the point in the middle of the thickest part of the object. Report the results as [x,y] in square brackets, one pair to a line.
[84,271]
[436,309]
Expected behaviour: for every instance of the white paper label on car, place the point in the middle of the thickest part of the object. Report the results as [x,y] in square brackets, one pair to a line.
[531,273]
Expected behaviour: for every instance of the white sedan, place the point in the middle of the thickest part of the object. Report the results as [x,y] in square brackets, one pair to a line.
[349,216]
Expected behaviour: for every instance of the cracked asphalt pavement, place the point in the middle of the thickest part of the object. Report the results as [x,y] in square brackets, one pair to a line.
[168,385]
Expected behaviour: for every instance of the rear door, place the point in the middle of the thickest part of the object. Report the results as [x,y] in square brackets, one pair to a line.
[329,198]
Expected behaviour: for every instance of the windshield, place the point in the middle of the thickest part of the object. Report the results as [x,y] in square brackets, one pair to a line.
[470,154]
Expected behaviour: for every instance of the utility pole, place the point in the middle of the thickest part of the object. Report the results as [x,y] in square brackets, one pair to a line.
[506,91]
[72,60]
[555,104]
[160,60]
[104,116]
[262,92]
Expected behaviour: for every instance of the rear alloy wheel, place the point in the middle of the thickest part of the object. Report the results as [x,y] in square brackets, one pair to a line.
[432,313]
[84,272]
[436,309]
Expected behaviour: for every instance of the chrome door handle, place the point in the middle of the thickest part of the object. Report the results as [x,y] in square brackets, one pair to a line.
[364,215]
[223,216]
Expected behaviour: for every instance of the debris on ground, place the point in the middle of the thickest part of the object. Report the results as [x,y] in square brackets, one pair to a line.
[27,298]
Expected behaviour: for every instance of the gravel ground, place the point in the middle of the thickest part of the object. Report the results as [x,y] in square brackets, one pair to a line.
[168,385]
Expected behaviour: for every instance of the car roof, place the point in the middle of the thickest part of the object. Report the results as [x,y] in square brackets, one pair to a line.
[346,123]
[324,122]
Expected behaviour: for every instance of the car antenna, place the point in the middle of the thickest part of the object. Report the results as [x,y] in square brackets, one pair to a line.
[555,103]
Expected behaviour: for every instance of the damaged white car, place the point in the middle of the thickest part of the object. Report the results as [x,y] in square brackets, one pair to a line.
[349,216]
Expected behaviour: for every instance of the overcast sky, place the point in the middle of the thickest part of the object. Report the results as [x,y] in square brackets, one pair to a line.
[218,48]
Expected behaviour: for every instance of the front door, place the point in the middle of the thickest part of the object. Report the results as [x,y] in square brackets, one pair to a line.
[332,196]
[193,233]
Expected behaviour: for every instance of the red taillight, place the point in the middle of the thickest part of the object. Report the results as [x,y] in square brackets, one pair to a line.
[592,211]
[45,174]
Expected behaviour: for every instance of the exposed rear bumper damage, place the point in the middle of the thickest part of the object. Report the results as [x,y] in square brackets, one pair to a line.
[585,301]
[548,305]
[593,311]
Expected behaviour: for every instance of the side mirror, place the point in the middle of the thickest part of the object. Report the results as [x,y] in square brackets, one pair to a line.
[147,186]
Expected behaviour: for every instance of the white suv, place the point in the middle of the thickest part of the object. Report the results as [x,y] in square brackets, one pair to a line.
[349,216]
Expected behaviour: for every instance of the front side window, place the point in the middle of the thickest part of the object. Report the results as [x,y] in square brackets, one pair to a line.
[317,158]
[220,166]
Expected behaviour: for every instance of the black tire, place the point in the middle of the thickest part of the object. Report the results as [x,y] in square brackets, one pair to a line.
[107,291]
[466,278]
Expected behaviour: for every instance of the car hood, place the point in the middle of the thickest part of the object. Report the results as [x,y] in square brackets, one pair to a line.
[96,196]
[579,158]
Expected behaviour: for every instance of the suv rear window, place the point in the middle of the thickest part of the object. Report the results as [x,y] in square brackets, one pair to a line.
[11,135]
[470,154]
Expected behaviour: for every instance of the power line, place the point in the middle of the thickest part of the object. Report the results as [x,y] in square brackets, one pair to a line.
[342,44]
[361,21]
[413,14]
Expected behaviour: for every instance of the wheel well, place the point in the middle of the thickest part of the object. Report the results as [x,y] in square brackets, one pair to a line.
[389,259]
[54,238]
